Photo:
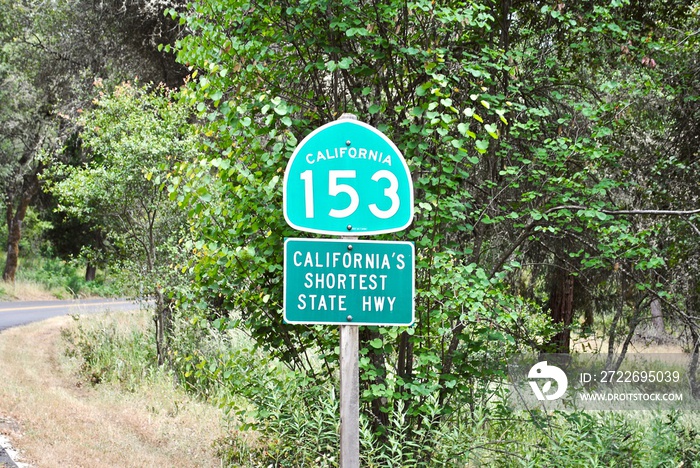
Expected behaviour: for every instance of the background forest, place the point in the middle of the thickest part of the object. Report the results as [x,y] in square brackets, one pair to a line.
[554,154]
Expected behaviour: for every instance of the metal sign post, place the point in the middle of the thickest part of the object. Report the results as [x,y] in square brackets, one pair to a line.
[347,178]
[349,394]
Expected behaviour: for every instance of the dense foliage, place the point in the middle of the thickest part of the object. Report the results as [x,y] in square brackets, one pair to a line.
[553,150]
[523,128]
[297,423]
[131,140]
[51,54]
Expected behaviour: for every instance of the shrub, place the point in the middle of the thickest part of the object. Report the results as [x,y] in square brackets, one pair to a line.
[106,352]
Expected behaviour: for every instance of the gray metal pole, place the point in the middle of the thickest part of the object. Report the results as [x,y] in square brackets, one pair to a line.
[349,397]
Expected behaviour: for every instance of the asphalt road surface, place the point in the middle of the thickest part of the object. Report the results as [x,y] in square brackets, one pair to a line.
[14,314]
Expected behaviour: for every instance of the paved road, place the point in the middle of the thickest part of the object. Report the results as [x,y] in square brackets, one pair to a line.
[13,314]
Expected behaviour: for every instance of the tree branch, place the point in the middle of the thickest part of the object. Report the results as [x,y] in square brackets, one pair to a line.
[628,212]
[527,230]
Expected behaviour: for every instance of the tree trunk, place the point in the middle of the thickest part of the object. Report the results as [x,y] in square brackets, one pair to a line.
[14,235]
[163,322]
[694,358]
[657,318]
[633,322]
[693,305]
[561,309]
[15,218]
[612,334]
[90,272]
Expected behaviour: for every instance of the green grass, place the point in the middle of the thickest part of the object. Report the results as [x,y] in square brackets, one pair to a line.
[117,348]
[291,419]
[286,418]
[45,278]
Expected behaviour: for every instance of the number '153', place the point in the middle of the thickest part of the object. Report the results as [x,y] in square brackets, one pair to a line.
[335,188]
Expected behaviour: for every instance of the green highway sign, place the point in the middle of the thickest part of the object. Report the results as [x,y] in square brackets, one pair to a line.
[348,282]
[347,178]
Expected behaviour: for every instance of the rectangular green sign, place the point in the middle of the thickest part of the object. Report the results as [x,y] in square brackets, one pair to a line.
[349,282]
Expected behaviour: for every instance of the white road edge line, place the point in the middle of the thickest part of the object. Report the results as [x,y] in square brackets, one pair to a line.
[15,309]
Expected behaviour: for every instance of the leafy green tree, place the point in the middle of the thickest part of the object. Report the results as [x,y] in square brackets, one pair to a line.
[294,67]
[24,133]
[51,56]
[133,138]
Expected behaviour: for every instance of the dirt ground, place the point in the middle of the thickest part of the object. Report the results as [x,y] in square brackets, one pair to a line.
[56,421]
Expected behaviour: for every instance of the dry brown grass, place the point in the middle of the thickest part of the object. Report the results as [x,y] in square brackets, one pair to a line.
[61,423]
[22,290]
[600,345]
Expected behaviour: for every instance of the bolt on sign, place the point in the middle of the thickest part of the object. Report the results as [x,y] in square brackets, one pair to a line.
[347,178]
[348,282]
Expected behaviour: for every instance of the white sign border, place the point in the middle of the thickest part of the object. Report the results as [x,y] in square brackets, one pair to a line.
[350,233]
[352,323]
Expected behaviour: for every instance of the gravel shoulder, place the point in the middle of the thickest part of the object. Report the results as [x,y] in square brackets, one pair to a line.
[54,420]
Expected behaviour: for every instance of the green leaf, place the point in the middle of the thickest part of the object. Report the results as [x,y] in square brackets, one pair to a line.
[345,63]
[416,111]
[376,343]
[281,108]
[492,130]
